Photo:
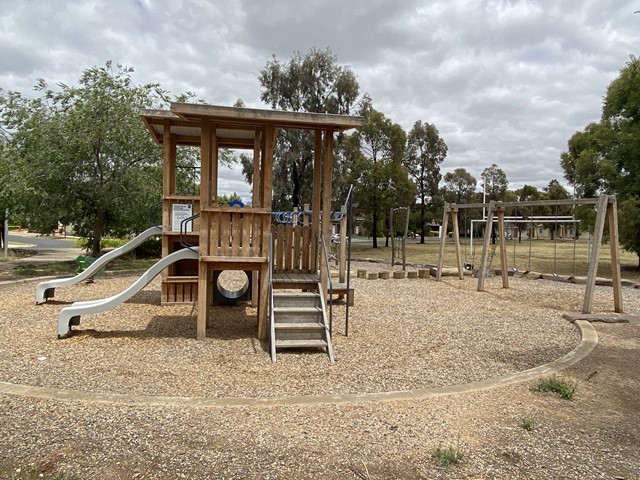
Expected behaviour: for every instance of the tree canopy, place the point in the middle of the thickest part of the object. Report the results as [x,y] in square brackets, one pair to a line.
[494,182]
[315,83]
[605,156]
[426,151]
[375,153]
[80,155]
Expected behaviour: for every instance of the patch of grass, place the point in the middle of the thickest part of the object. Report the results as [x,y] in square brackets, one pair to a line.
[31,472]
[447,456]
[104,243]
[528,424]
[562,387]
[44,269]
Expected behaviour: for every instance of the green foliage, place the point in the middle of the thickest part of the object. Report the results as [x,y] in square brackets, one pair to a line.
[605,156]
[447,456]
[495,182]
[459,186]
[81,155]
[629,225]
[424,154]
[563,388]
[380,181]
[528,424]
[315,83]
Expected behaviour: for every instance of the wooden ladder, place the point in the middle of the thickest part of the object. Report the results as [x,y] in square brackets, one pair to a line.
[299,320]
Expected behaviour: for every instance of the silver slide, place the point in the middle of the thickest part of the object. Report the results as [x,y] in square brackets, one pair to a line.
[45,290]
[71,315]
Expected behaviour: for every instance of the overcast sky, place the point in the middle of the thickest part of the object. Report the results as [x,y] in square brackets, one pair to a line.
[505,82]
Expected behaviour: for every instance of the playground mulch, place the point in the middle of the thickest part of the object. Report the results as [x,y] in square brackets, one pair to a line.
[403,334]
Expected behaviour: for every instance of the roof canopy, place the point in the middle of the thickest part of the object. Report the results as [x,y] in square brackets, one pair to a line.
[235,126]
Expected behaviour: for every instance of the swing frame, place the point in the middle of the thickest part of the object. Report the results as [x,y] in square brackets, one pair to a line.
[606,207]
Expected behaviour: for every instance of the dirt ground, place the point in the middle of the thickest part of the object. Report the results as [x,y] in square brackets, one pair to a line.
[594,436]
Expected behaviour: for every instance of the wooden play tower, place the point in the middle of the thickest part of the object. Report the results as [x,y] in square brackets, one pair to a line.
[237,238]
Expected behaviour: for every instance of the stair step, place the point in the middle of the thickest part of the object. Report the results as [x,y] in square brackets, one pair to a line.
[297,314]
[298,299]
[296,309]
[301,343]
[293,326]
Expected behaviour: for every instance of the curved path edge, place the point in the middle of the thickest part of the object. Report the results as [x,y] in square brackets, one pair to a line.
[588,341]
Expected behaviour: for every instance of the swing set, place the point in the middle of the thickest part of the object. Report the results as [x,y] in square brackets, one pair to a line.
[606,207]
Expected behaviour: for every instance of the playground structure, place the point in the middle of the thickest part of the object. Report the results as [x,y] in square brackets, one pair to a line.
[606,207]
[218,238]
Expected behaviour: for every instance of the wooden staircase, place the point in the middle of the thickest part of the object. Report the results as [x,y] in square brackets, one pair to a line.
[299,320]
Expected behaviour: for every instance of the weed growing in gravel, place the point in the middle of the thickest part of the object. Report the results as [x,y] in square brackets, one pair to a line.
[556,385]
[447,456]
[32,472]
[527,423]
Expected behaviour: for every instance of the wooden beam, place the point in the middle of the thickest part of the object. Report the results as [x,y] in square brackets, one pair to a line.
[203,300]
[214,166]
[263,303]
[443,239]
[598,230]
[616,278]
[456,241]
[266,185]
[205,166]
[503,247]
[485,246]
[532,203]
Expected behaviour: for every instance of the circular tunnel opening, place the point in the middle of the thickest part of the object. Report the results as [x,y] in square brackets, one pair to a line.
[231,286]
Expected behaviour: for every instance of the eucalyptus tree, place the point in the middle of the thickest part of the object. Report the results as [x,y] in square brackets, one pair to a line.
[494,182]
[605,156]
[313,82]
[82,155]
[381,182]
[459,186]
[425,152]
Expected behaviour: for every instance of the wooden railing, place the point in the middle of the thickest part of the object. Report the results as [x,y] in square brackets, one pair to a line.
[228,233]
[293,248]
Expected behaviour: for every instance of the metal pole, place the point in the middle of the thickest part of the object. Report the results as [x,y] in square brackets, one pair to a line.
[6,232]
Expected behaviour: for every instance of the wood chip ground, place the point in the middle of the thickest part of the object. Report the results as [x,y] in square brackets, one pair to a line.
[403,334]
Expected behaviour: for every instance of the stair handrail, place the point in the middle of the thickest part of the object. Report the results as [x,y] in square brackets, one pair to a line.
[326,258]
[183,231]
[272,327]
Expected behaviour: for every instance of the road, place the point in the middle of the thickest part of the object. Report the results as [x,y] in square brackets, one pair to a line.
[48,249]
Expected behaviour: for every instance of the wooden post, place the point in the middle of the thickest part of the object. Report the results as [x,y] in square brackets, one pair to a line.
[485,246]
[263,304]
[205,165]
[316,199]
[204,291]
[456,239]
[503,247]
[598,230]
[612,211]
[256,200]
[443,238]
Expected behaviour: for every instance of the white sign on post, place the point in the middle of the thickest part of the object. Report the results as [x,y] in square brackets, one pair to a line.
[180,212]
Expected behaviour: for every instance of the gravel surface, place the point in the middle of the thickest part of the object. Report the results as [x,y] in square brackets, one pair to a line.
[403,334]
